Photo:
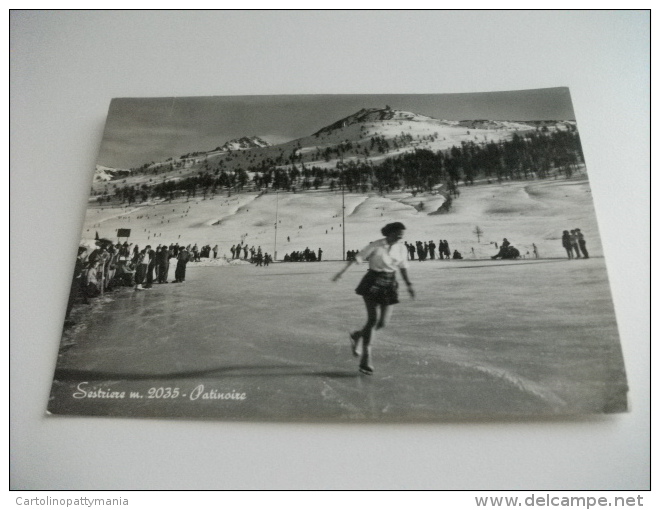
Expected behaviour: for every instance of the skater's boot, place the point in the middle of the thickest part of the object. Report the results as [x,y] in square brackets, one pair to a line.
[355,342]
[365,361]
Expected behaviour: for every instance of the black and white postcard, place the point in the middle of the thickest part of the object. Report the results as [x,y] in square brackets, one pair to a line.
[340,258]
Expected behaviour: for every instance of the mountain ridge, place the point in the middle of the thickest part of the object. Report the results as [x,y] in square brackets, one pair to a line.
[369,135]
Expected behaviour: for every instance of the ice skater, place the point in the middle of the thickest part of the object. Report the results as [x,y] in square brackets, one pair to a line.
[379,287]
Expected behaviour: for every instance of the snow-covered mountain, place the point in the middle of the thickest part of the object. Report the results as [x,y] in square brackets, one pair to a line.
[241,144]
[491,124]
[370,115]
[370,135]
[104,173]
[375,134]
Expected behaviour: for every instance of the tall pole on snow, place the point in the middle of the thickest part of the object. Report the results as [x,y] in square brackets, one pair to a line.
[343,208]
[277,203]
[343,226]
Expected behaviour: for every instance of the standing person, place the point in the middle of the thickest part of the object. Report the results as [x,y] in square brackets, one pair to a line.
[162,264]
[150,258]
[574,243]
[379,287]
[100,260]
[432,249]
[320,255]
[535,251]
[111,267]
[420,250]
[447,250]
[411,251]
[215,251]
[136,254]
[124,251]
[566,243]
[181,262]
[140,270]
[582,243]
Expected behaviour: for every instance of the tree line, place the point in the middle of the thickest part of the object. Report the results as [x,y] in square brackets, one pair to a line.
[540,154]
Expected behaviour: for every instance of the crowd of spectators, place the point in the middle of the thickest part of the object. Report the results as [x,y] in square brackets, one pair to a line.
[112,265]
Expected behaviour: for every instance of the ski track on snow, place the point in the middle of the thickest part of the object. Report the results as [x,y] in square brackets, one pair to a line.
[355,209]
[230,214]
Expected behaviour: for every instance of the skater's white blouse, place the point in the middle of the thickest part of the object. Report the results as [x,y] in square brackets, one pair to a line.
[384,257]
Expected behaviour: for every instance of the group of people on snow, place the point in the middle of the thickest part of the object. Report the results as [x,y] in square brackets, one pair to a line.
[306,255]
[256,255]
[575,244]
[110,265]
[427,250]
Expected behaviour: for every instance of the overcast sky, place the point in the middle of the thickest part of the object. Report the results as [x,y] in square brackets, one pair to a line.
[141,130]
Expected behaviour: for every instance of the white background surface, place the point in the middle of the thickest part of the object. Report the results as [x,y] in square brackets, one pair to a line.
[65,68]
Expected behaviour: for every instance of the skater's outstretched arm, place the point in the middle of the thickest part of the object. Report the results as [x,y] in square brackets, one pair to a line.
[340,273]
[404,275]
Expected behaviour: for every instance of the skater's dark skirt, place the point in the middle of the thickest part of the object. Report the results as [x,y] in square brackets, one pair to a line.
[381,287]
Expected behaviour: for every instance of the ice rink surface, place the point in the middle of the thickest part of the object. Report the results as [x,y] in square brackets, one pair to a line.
[482,339]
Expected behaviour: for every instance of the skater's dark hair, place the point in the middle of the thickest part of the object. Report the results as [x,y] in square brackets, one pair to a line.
[392,227]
